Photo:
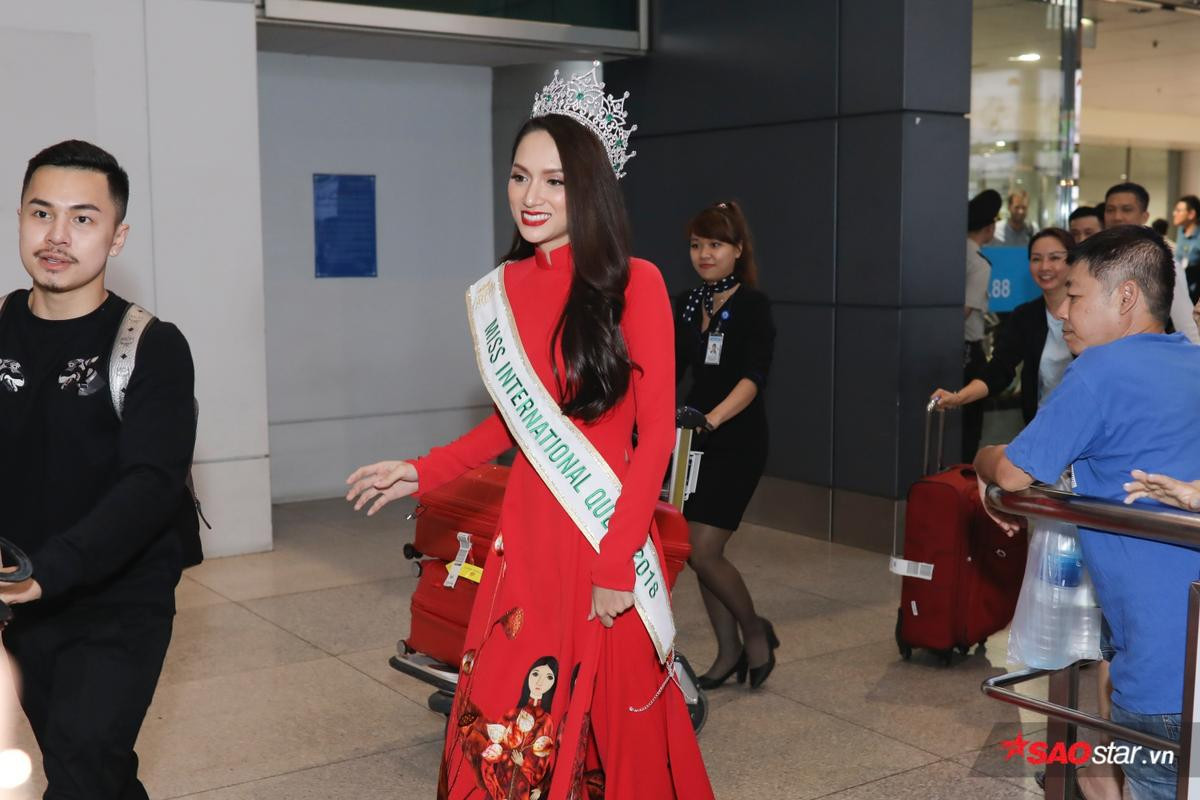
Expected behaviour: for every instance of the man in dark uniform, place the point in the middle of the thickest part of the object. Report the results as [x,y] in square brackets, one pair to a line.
[97,498]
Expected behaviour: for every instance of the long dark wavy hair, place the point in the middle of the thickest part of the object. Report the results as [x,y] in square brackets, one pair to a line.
[595,358]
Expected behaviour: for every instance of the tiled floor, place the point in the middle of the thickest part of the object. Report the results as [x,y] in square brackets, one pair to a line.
[277,685]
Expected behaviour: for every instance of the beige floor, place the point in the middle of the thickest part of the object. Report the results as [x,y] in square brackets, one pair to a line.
[277,685]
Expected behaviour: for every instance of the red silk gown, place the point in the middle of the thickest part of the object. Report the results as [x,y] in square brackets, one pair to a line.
[543,708]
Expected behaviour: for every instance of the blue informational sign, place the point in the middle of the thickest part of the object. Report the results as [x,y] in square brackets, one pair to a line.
[344,221]
[1011,283]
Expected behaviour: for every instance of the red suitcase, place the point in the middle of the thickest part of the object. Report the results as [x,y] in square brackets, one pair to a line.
[469,505]
[962,573]
[675,538]
[468,509]
[439,615]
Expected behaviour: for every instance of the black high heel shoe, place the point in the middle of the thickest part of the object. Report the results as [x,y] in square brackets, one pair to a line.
[759,674]
[772,639]
[741,668]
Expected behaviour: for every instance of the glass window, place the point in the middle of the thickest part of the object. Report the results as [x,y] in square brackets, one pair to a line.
[1016,96]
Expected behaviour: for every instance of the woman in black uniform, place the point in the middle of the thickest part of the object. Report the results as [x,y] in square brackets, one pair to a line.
[724,333]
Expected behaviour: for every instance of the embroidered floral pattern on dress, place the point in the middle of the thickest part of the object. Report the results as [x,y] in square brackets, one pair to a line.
[512,622]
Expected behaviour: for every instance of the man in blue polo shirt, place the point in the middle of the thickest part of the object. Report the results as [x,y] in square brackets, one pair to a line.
[1131,400]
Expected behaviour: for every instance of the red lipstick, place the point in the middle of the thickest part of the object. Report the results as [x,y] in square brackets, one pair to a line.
[534,218]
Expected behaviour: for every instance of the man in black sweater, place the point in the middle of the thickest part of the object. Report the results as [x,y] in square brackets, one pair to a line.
[98,500]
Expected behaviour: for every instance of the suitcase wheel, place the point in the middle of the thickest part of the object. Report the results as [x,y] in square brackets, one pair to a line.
[905,648]
[441,702]
[965,649]
[411,552]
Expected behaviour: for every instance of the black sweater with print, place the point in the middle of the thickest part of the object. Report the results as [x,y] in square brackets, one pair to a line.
[98,503]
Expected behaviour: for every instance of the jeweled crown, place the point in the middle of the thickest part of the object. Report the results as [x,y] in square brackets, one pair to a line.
[582,98]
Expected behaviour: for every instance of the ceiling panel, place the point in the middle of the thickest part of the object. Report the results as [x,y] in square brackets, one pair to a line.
[1146,61]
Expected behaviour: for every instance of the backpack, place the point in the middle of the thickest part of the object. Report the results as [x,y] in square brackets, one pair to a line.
[121,362]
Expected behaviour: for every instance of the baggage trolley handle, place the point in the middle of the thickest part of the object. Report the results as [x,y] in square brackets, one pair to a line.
[998,688]
[934,406]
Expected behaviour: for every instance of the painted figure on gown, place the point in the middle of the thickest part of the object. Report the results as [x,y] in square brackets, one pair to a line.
[513,756]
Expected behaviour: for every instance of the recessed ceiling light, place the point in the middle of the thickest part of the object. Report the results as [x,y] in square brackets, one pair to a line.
[1000,143]
[1026,57]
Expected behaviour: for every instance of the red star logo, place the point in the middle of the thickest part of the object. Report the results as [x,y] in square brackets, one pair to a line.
[1014,747]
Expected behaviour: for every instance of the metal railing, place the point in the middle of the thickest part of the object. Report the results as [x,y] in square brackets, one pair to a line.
[1155,524]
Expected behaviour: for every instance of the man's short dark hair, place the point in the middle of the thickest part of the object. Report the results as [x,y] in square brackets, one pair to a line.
[1131,253]
[77,154]
[1135,189]
[1087,211]
[1192,202]
[982,210]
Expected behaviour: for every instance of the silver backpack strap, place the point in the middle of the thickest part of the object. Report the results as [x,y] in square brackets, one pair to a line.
[124,353]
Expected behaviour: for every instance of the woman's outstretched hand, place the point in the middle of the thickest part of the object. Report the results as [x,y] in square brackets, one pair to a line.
[382,482]
[946,399]
[608,604]
[1164,489]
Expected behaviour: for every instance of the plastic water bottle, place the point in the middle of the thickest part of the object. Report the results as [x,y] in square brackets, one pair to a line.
[1066,619]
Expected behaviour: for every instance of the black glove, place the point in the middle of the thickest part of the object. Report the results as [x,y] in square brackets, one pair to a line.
[688,417]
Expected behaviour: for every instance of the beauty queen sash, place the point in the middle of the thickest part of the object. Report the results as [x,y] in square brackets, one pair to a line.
[578,476]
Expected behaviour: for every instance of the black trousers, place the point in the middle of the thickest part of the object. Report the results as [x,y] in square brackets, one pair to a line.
[87,678]
[974,362]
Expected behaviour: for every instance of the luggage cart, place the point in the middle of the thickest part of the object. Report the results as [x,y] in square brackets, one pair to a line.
[443,677]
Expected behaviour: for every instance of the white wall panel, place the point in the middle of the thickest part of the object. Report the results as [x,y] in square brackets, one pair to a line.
[235,499]
[207,220]
[311,459]
[188,139]
[94,87]
[366,368]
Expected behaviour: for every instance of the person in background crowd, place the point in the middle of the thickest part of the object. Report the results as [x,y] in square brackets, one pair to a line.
[1186,217]
[1085,221]
[1017,231]
[1126,204]
[1030,337]
[724,334]
[981,229]
[1159,226]
[1141,391]
[1129,204]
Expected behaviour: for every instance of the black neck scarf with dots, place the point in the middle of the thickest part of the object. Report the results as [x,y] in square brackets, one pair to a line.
[703,294]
